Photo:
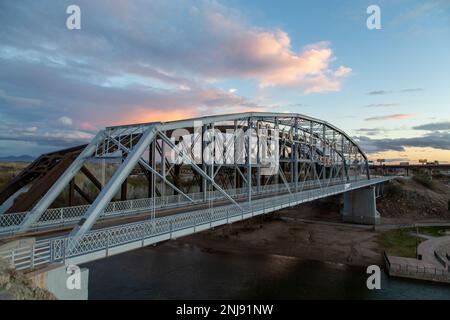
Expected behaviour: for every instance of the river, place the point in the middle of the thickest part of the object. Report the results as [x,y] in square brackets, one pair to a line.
[178,271]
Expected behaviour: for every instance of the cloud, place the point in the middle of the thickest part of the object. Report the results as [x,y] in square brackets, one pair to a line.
[382,92]
[50,137]
[434,126]
[427,9]
[382,105]
[91,106]
[389,160]
[398,116]
[16,101]
[413,90]
[372,131]
[377,92]
[202,39]
[434,140]
[343,71]
[142,61]
[294,105]
[380,130]
[93,81]
[66,121]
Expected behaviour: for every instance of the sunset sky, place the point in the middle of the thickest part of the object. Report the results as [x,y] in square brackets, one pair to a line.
[158,60]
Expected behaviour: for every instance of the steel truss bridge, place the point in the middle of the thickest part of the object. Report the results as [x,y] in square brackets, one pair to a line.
[199,173]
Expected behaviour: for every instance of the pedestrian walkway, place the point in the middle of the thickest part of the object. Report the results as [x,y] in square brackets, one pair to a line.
[430,251]
[432,262]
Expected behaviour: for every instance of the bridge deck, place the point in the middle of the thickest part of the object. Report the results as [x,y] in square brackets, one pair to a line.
[103,242]
[66,217]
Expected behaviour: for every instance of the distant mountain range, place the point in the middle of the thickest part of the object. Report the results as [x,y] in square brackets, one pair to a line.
[22,158]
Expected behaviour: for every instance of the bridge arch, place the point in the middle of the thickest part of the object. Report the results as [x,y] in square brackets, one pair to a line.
[308,151]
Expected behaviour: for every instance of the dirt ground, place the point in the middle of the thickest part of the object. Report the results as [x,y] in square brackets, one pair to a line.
[15,286]
[406,201]
[340,244]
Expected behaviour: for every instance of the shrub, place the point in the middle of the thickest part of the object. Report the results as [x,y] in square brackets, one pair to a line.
[393,189]
[424,180]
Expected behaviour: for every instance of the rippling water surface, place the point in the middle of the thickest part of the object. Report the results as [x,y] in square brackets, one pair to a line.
[173,271]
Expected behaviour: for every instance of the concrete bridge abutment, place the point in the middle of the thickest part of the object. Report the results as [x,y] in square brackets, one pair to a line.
[360,206]
[65,282]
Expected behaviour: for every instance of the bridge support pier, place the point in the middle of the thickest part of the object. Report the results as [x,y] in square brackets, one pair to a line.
[360,206]
[65,283]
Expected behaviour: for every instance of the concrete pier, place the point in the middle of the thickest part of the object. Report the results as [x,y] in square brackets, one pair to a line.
[360,206]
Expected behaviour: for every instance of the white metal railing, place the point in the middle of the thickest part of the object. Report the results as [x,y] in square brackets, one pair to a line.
[28,257]
[66,216]
[56,249]
[420,272]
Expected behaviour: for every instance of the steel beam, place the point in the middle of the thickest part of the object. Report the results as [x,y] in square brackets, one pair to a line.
[196,168]
[249,160]
[113,185]
[295,151]
[34,215]
[153,171]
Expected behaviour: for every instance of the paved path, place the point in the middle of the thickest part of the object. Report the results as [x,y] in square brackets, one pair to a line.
[386,227]
[421,235]
[338,224]
[427,249]
[429,267]
[380,227]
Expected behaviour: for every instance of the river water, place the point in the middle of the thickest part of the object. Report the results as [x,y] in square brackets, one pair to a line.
[179,271]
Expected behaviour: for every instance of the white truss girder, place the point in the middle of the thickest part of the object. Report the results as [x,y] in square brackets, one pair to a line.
[310,142]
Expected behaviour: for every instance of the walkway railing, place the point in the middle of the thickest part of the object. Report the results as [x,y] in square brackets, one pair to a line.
[419,272]
[67,216]
[98,243]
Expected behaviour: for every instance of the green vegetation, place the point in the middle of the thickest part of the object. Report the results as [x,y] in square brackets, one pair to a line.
[424,180]
[403,242]
[439,176]
[9,170]
[394,189]
[400,242]
[433,231]
[5,178]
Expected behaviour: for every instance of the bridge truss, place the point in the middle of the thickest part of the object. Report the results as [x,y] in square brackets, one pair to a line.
[206,158]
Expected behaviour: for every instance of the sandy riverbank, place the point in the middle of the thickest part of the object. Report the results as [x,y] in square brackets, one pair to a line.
[271,235]
[328,240]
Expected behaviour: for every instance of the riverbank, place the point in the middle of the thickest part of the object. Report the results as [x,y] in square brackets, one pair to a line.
[314,231]
[273,236]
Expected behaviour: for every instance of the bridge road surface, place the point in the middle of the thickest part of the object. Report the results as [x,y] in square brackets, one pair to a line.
[160,212]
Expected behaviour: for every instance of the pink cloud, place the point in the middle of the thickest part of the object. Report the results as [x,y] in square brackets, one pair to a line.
[86,125]
[268,57]
[343,71]
[212,42]
[399,116]
[173,105]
